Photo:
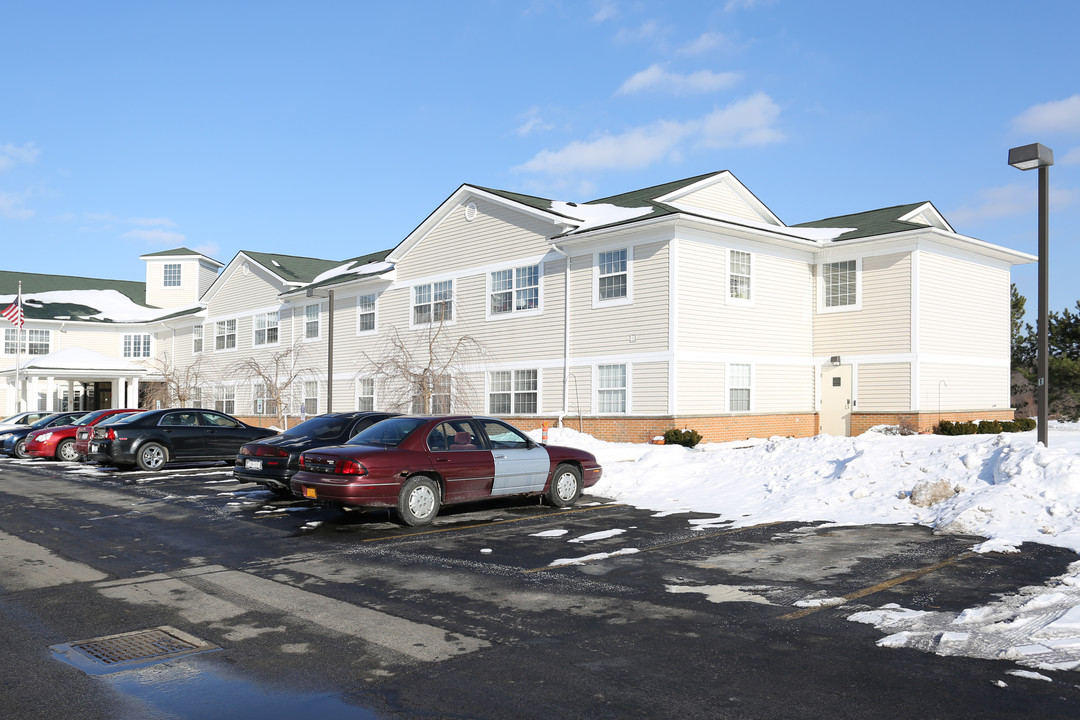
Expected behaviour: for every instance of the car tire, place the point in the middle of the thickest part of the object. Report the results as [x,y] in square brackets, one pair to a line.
[418,501]
[151,456]
[566,486]
[20,450]
[66,451]
[285,492]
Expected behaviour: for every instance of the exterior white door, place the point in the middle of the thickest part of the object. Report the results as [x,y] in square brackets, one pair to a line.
[836,400]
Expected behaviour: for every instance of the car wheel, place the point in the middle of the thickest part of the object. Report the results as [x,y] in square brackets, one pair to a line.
[566,486]
[418,501]
[151,456]
[66,451]
[20,450]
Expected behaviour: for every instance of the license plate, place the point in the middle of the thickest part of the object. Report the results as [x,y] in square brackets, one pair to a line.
[309,492]
[253,464]
[93,448]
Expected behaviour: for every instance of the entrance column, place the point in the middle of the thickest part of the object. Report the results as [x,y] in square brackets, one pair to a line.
[119,392]
[70,404]
[133,402]
[50,394]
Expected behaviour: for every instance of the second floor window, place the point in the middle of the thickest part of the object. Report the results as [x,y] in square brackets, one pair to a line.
[365,313]
[225,335]
[196,339]
[612,275]
[136,346]
[34,342]
[840,283]
[311,321]
[171,277]
[433,303]
[515,290]
[266,328]
[738,275]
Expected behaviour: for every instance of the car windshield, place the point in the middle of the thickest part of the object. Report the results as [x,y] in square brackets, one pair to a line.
[133,417]
[89,417]
[388,433]
[59,418]
[114,418]
[323,427]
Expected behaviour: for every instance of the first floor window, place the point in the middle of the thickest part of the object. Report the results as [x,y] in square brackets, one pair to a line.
[612,275]
[225,335]
[311,397]
[433,303]
[136,346]
[738,388]
[34,342]
[225,400]
[196,339]
[434,400]
[266,328]
[513,392]
[840,284]
[171,276]
[311,321]
[262,400]
[611,388]
[196,397]
[365,313]
[739,275]
[365,394]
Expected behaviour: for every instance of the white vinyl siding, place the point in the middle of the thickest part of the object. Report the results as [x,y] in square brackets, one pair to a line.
[885,387]
[963,387]
[963,307]
[882,324]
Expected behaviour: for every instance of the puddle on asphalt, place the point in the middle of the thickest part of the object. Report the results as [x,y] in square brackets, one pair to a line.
[209,692]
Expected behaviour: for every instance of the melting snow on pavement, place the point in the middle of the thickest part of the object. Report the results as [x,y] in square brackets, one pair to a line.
[1005,488]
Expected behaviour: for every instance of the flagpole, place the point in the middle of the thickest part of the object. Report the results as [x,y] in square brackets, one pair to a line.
[18,354]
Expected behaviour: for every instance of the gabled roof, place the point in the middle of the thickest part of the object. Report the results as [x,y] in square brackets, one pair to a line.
[884,221]
[291,269]
[355,268]
[182,252]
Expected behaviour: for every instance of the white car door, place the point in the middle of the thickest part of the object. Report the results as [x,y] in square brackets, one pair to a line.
[521,466]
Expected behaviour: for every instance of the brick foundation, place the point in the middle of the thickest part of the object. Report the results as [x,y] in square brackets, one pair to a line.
[923,422]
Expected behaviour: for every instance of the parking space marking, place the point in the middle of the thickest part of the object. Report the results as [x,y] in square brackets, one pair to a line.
[661,546]
[892,582]
[489,524]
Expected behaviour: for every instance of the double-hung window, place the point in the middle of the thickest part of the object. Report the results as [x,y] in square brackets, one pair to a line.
[311,397]
[225,399]
[365,313]
[611,388]
[515,290]
[171,275]
[312,321]
[738,388]
[137,346]
[433,303]
[840,284]
[266,328]
[225,335]
[611,277]
[739,288]
[262,400]
[196,340]
[365,394]
[437,401]
[513,392]
[34,342]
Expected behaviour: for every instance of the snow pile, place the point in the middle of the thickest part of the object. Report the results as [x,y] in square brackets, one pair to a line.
[107,305]
[1006,488]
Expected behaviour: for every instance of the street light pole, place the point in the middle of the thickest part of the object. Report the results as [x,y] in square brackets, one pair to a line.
[1029,157]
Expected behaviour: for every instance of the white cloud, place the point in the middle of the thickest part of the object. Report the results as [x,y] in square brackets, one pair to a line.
[162,237]
[532,122]
[152,222]
[655,77]
[605,10]
[12,206]
[1072,157]
[208,249]
[1006,201]
[706,42]
[647,31]
[1054,116]
[749,121]
[733,5]
[12,155]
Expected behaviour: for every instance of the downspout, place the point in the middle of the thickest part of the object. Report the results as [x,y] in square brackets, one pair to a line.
[566,336]
[330,355]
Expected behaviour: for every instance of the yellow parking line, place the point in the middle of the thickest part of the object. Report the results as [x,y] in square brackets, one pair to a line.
[496,522]
[661,546]
[881,586]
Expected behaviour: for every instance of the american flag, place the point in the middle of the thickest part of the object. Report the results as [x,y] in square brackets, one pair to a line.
[14,312]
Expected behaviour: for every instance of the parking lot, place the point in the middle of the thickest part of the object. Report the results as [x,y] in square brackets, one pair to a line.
[499,609]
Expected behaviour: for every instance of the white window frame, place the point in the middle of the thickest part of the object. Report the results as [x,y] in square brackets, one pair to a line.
[308,337]
[515,391]
[262,403]
[362,311]
[514,290]
[11,341]
[225,399]
[730,298]
[434,410]
[821,287]
[198,339]
[271,326]
[361,393]
[229,327]
[429,301]
[597,302]
[309,391]
[135,345]
[730,386]
[166,280]
[625,389]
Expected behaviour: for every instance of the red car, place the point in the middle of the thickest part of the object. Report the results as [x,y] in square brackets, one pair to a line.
[86,433]
[58,443]
[417,464]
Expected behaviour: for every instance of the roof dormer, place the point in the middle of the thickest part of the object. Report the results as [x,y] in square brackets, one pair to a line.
[178,277]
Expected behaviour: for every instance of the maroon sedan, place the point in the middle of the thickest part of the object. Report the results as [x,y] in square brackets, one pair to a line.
[417,464]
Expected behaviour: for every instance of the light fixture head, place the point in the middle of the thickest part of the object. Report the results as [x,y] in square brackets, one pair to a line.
[1029,157]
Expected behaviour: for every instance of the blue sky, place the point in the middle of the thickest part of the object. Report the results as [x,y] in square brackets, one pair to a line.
[332,129]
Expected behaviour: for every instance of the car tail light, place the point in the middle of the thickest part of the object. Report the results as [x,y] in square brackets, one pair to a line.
[110,434]
[348,466]
[331,465]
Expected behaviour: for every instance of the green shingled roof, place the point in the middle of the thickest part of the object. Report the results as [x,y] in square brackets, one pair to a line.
[292,268]
[34,282]
[181,251]
[358,263]
[884,221]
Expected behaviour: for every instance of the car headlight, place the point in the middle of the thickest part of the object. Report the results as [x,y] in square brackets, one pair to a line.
[5,436]
[43,438]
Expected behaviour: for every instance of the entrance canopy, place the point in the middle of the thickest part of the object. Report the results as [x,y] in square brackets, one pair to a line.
[48,382]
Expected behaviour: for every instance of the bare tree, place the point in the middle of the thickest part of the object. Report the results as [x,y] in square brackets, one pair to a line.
[275,378]
[423,371]
[178,387]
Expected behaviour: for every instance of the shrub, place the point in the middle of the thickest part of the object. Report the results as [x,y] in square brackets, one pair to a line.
[989,427]
[688,438]
[1010,426]
[1026,424]
[953,427]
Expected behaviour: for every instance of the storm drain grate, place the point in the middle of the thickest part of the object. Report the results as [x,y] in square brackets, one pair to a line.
[119,652]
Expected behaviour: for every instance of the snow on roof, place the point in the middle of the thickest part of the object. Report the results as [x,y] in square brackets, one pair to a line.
[598,215]
[351,268]
[103,305]
[804,233]
[80,359]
